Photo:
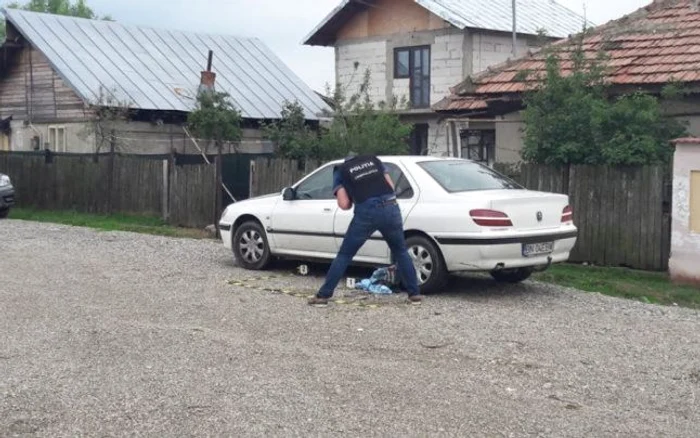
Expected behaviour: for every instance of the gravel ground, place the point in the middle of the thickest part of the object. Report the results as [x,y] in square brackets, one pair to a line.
[113,334]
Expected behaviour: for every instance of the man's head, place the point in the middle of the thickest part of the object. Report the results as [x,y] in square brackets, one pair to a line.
[350,156]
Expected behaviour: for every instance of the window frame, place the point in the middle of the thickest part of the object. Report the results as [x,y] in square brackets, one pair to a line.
[311,177]
[402,179]
[412,51]
[59,131]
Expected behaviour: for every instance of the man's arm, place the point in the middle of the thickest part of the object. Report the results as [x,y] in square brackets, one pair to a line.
[343,199]
[341,195]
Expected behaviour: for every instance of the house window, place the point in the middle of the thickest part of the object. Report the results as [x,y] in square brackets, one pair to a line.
[479,145]
[413,63]
[57,138]
[695,201]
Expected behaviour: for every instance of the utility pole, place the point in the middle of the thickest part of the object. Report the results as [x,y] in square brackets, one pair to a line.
[515,37]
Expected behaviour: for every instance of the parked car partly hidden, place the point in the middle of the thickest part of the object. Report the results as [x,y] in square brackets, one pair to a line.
[459,216]
[7,195]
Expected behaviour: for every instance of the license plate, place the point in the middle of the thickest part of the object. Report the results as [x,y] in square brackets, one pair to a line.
[535,249]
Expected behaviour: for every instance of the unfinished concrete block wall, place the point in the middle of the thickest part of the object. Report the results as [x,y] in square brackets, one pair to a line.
[354,58]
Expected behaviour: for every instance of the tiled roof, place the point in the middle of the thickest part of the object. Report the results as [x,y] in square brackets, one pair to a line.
[653,46]
[157,69]
[496,15]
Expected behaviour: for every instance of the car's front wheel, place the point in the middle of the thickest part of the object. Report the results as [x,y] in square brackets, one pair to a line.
[512,275]
[4,213]
[427,260]
[250,246]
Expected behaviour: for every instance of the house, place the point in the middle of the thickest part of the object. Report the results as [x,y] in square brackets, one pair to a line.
[648,49]
[55,69]
[417,49]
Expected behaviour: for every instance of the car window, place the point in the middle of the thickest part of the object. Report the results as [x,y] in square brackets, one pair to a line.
[402,187]
[463,176]
[317,186]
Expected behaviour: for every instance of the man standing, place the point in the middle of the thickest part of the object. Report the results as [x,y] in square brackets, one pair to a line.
[364,182]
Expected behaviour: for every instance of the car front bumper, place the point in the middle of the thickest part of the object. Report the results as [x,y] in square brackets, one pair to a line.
[7,197]
[225,230]
[504,252]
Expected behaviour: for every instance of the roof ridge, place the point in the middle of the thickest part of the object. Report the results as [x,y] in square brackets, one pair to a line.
[5,9]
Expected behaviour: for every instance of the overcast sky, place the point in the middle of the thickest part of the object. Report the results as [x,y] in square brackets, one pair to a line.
[283,24]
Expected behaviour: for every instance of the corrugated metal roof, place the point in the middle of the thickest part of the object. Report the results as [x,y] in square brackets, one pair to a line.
[157,69]
[532,15]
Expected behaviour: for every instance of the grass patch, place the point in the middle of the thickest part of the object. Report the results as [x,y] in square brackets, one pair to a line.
[113,222]
[648,287]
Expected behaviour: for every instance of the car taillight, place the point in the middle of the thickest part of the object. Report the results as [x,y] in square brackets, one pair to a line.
[567,215]
[490,218]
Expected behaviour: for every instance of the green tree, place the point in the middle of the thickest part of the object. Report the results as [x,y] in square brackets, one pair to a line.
[79,8]
[292,135]
[215,119]
[572,118]
[356,125]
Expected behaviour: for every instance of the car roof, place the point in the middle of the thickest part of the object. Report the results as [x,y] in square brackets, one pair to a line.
[410,158]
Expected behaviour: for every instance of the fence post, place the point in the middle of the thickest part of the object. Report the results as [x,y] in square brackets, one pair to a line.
[218,201]
[110,181]
[166,190]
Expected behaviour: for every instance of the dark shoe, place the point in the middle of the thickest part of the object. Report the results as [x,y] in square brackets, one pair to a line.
[317,301]
[415,299]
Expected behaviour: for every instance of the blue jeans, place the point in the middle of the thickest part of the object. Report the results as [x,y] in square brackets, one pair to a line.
[370,216]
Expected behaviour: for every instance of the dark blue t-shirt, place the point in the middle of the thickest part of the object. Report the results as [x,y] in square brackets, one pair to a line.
[338,182]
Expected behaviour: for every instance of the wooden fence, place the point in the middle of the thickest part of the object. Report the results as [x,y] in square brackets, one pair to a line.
[183,195]
[623,214]
[271,175]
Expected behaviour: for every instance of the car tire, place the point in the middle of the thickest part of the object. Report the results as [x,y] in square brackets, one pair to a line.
[430,266]
[512,275]
[250,246]
[4,213]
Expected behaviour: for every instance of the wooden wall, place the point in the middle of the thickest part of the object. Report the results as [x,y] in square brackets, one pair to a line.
[31,90]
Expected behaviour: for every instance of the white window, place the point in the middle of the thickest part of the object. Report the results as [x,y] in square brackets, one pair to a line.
[57,138]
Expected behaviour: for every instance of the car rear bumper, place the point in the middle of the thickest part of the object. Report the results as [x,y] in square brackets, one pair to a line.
[7,197]
[503,252]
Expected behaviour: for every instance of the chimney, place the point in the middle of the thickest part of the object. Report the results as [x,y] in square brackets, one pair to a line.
[208,80]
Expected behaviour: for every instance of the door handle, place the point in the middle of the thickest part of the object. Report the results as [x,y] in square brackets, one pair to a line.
[328,209]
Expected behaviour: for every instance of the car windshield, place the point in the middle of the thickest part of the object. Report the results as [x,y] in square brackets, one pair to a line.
[463,176]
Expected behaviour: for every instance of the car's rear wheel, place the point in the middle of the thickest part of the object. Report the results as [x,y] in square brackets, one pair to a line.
[512,275]
[250,246]
[4,213]
[427,260]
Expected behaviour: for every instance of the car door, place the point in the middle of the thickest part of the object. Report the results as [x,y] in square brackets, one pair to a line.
[304,225]
[375,250]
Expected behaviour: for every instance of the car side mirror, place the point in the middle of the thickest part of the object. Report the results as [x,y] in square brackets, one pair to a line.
[289,194]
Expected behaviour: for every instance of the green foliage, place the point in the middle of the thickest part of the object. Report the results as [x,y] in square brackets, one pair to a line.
[215,119]
[293,137]
[79,8]
[356,125]
[571,119]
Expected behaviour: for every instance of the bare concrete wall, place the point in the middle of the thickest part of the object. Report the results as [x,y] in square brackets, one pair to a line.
[131,137]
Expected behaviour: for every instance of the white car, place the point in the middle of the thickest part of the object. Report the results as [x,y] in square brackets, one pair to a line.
[458,216]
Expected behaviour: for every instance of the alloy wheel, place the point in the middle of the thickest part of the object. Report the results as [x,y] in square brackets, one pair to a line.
[252,246]
[422,262]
